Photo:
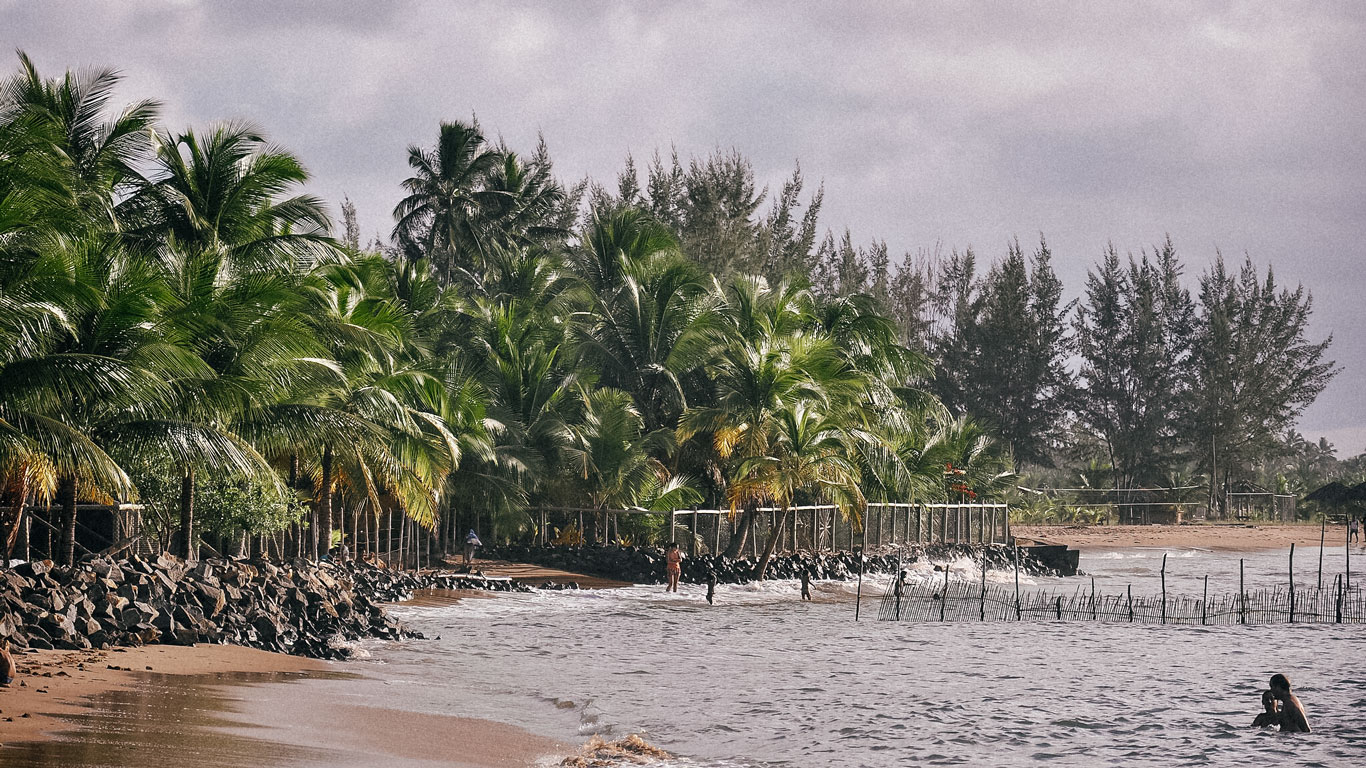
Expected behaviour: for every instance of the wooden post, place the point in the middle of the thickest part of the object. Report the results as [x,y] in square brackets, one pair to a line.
[944,598]
[1337,603]
[1093,598]
[1242,595]
[1164,588]
[693,539]
[1292,582]
[673,526]
[1347,547]
[858,593]
[984,588]
[1130,590]
[1204,602]
[944,527]
[1323,531]
[1017,582]
[1059,607]
[716,545]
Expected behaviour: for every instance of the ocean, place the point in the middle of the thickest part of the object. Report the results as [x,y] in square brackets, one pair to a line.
[763,679]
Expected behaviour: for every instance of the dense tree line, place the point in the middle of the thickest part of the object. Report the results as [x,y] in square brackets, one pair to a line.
[179,326]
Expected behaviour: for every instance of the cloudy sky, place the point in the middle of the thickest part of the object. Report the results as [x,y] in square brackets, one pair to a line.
[1236,126]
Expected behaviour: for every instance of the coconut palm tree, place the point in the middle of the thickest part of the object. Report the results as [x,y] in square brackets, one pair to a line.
[446,216]
[808,454]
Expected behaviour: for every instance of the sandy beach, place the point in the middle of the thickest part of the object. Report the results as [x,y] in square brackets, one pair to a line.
[62,697]
[1229,537]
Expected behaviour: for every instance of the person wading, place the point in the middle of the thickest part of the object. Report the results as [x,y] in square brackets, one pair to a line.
[673,566]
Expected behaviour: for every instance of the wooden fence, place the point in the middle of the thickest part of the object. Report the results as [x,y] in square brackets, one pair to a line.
[1342,602]
[812,527]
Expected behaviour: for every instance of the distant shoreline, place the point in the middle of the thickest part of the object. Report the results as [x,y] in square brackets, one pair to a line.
[1225,537]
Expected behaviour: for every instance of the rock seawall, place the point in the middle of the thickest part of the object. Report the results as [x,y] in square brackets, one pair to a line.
[645,565]
[298,607]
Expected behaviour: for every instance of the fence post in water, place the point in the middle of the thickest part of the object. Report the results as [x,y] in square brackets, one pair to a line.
[1204,603]
[1093,598]
[1059,607]
[1292,582]
[1164,588]
[944,598]
[984,587]
[1242,595]
[1017,582]
[1337,603]
[858,595]
[1130,590]
[1323,531]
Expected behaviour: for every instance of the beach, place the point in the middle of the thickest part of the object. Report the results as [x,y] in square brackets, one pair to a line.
[1223,537]
[758,679]
[145,705]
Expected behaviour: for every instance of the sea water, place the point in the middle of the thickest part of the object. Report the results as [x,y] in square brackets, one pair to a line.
[764,679]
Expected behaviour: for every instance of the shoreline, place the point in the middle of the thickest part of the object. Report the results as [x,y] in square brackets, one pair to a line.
[59,706]
[1222,537]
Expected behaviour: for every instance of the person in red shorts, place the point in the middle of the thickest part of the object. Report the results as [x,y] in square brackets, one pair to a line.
[673,566]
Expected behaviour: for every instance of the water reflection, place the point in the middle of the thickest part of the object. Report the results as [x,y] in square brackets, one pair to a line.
[166,721]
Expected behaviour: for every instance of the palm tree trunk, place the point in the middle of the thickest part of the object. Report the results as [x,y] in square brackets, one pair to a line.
[14,521]
[66,493]
[325,503]
[186,541]
[740,536]
[774,537]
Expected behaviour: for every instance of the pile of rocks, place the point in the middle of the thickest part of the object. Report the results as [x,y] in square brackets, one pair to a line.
[300,607]
[645,565]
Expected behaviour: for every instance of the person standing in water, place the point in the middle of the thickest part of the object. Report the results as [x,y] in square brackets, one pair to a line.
[1282,708]
[1352,529]
[806,583]
[673,566]
[711,588]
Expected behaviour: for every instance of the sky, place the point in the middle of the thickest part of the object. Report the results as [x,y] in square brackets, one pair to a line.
[1233,127]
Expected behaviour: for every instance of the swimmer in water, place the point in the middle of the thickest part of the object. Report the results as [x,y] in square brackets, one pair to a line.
[1271,715]
[1281,707]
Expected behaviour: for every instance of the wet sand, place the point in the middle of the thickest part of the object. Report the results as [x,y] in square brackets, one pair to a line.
[1224,537]
[226,706]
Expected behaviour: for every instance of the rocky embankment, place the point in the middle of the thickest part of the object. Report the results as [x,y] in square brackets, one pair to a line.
[300,607]
[645,565]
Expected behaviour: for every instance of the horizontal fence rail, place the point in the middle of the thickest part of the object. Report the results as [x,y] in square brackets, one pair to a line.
[810,527]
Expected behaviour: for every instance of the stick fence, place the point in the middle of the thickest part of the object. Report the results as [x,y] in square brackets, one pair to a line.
[968,601]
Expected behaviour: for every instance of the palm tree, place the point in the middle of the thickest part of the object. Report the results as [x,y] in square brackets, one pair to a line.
[808,454]
[765,366]
[446,216]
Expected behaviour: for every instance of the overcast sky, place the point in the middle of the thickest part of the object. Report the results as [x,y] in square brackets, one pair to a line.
[1231,125]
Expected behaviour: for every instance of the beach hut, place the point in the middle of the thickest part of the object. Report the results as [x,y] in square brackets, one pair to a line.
[1332,496]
